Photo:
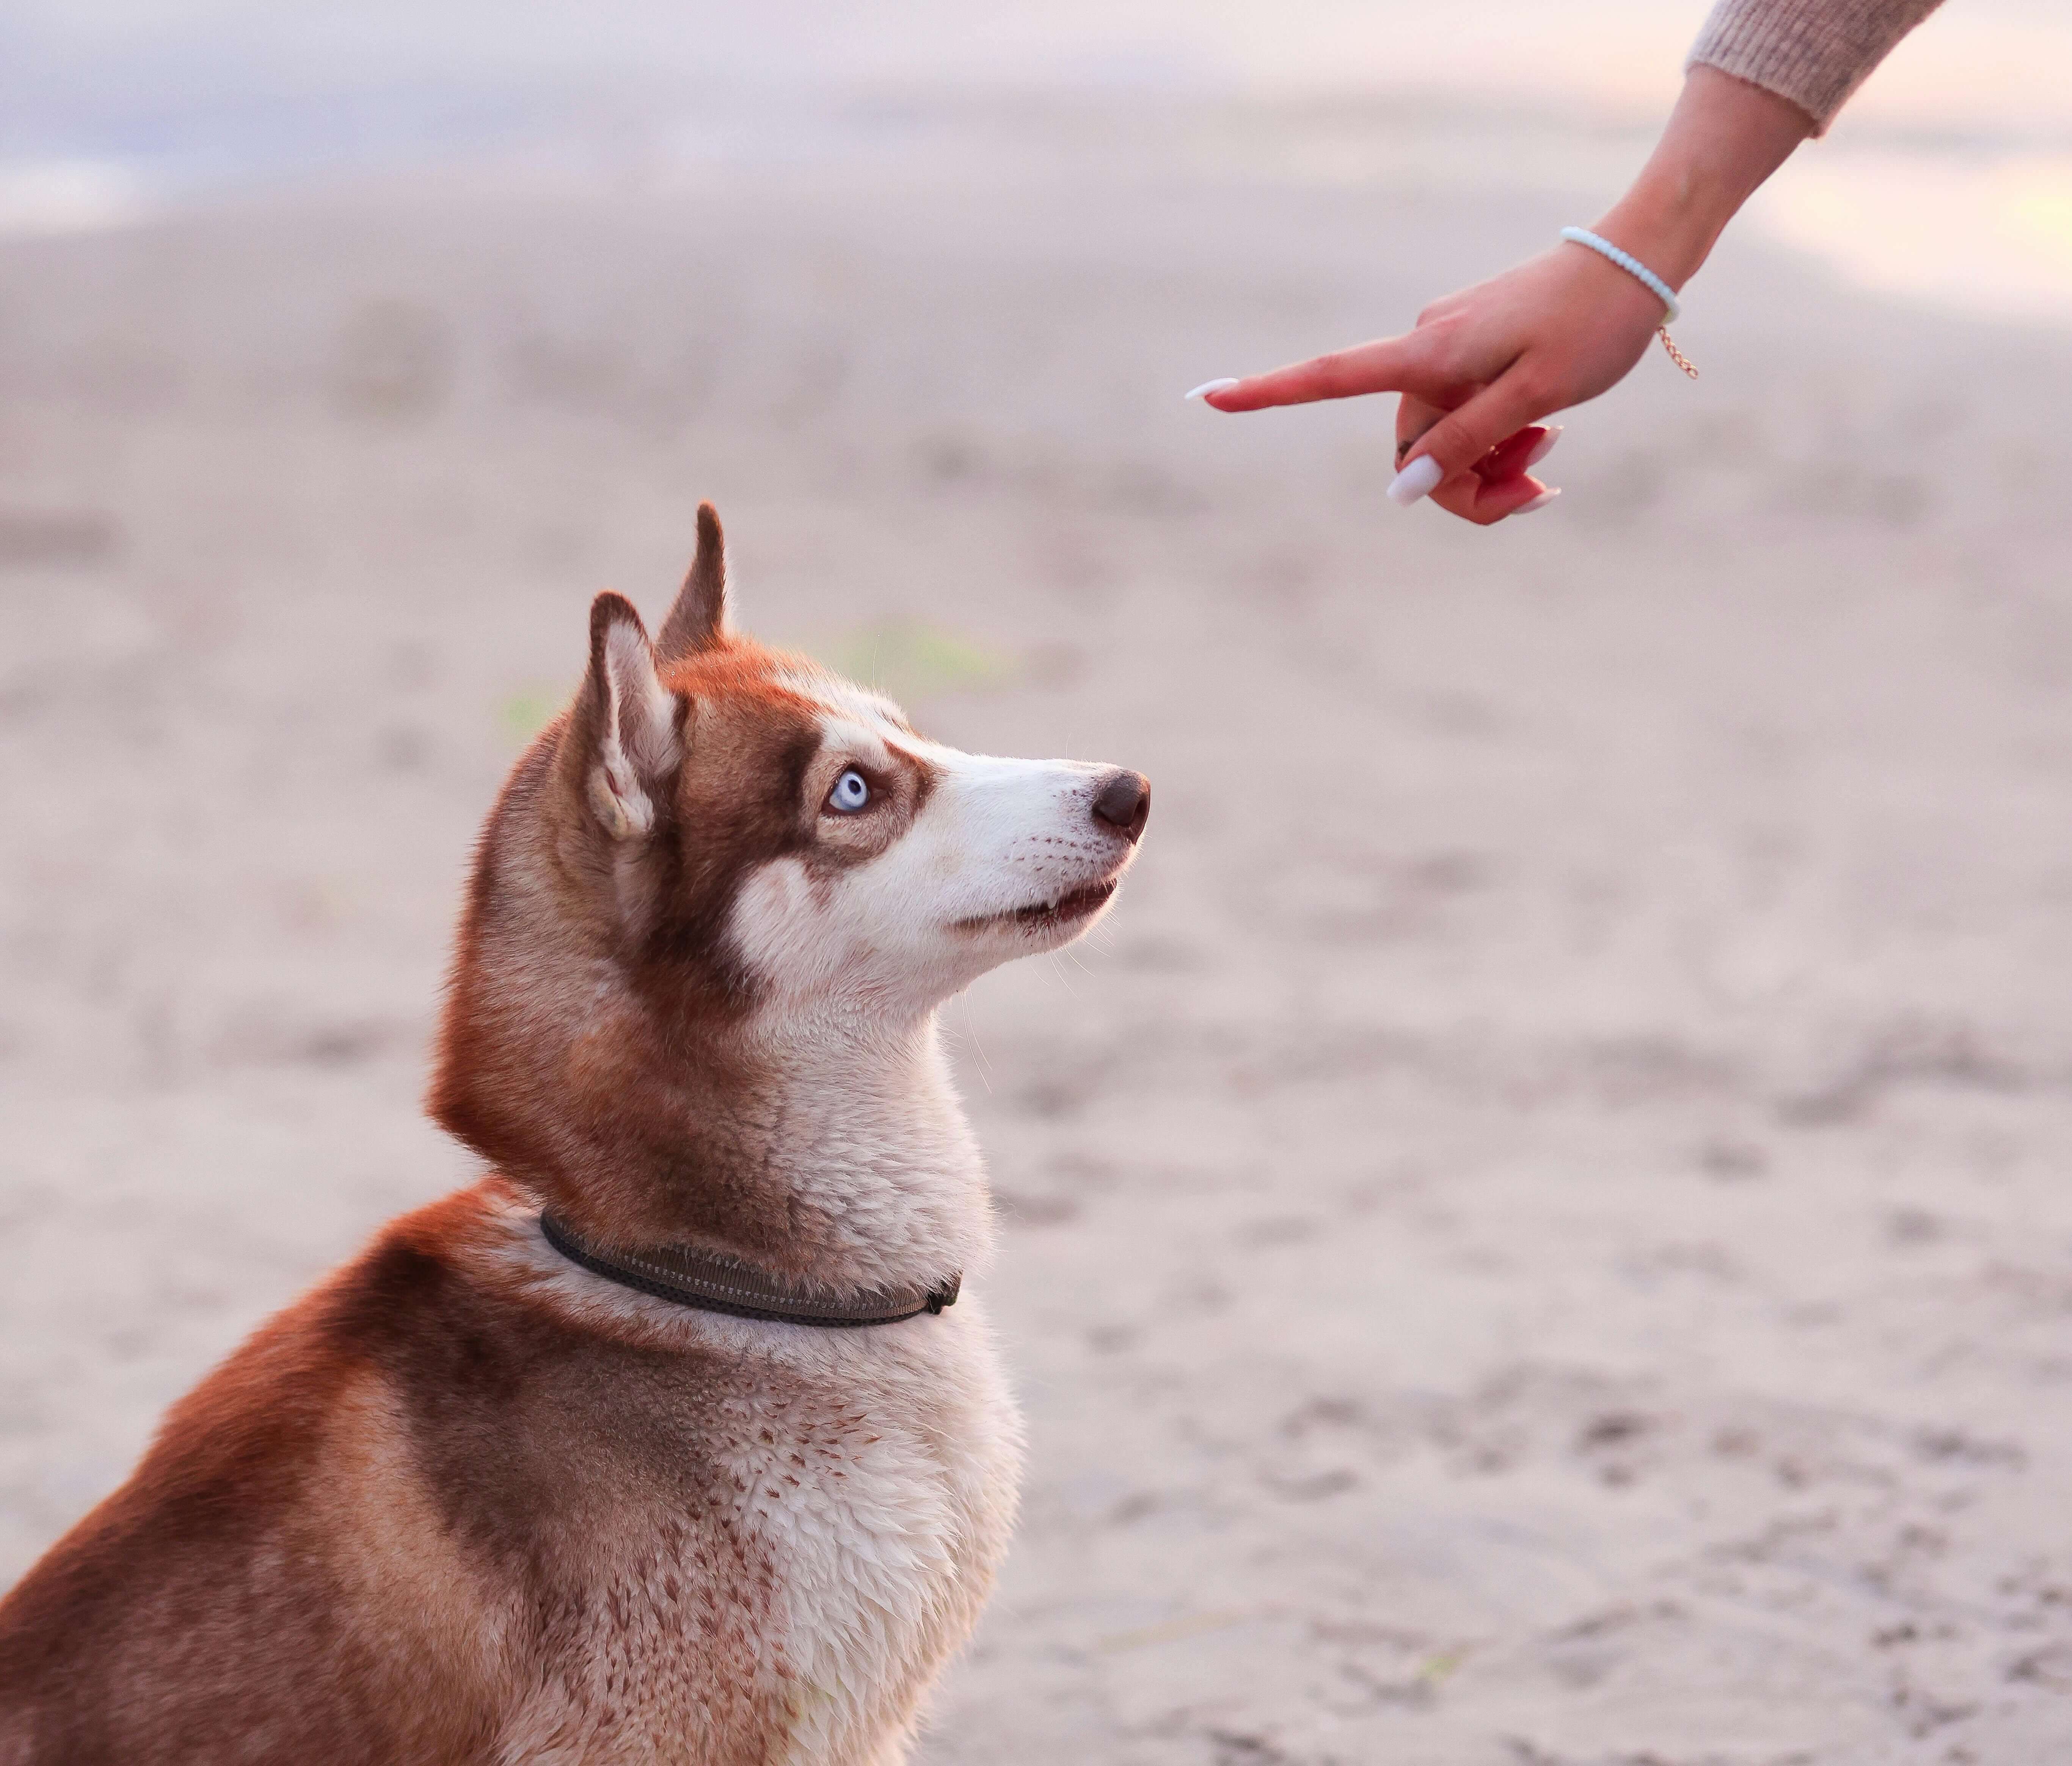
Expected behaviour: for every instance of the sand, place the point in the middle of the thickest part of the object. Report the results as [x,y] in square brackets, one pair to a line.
[1537,1235]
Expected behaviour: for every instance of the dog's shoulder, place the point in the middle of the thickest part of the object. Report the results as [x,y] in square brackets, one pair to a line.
[219,1592]
[462,1461]
[401,1479]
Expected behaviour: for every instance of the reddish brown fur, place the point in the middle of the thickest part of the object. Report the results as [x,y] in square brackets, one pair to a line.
[371,1531]
[594,1114]
[421,1494]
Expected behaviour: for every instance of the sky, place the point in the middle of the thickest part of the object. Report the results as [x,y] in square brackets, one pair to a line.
[1950,176]
[95,76]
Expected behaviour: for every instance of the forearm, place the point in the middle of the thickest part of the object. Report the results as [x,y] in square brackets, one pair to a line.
[1483,366]
[1723,139]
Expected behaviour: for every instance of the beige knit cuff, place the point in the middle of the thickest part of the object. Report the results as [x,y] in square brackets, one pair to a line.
[1813,52]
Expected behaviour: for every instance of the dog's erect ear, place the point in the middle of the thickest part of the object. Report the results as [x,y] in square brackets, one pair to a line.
[632,726]
[699,614]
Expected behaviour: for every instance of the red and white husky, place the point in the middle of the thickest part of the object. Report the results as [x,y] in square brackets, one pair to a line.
[471,1499]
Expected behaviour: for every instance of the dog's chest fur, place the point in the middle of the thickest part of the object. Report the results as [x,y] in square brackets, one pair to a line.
[858,1492]
[887,1504]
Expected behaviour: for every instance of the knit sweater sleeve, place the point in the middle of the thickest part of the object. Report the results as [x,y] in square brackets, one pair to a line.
[1813,52]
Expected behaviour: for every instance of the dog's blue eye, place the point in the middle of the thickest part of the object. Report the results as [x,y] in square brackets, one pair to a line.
[851,792]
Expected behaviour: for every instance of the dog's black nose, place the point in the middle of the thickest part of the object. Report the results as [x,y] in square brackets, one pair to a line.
[1123,801]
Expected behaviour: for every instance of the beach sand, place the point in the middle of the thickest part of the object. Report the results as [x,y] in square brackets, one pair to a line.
[1536,1235]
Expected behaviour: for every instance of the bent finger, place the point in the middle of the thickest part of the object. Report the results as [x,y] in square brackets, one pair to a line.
[1413,417]
[1474,498]
[1462,437]
[1518,452]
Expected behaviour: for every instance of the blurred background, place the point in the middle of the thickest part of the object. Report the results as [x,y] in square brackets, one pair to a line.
[1538,1231]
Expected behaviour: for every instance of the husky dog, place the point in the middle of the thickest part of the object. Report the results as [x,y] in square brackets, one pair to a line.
[664,1441]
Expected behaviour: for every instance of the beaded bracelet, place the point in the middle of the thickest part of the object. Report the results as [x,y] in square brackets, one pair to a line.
[1654,285]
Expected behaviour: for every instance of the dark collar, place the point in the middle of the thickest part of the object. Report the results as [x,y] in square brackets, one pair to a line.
[719,1284]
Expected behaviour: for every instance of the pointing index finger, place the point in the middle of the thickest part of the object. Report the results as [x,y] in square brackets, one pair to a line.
[1388,365]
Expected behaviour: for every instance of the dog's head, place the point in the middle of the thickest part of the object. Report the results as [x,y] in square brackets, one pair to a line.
[720,846]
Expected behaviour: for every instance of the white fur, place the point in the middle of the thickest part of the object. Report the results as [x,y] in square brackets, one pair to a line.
[882,1487]
[639,742]
[891,1562]
[899,934]
[876,1467]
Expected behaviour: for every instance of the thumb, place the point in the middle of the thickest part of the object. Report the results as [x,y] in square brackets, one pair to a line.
[1458,440]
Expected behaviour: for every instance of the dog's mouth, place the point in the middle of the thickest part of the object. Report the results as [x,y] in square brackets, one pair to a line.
[1075,904]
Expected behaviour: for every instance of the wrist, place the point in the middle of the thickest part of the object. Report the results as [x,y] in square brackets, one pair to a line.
[1723,139]
[1673,237]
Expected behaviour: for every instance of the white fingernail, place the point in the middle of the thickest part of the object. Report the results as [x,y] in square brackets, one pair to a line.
[1417,479]
[1541,448]
[1539,502]
[1207,387]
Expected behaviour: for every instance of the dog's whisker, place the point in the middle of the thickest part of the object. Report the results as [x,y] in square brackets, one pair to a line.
[978,1047]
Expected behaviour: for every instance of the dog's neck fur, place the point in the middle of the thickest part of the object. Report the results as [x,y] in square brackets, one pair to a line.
[826,1146]
[821,1140]
[862,1135]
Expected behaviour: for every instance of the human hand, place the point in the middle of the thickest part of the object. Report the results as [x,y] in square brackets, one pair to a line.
[1480,368]
[1484,365]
